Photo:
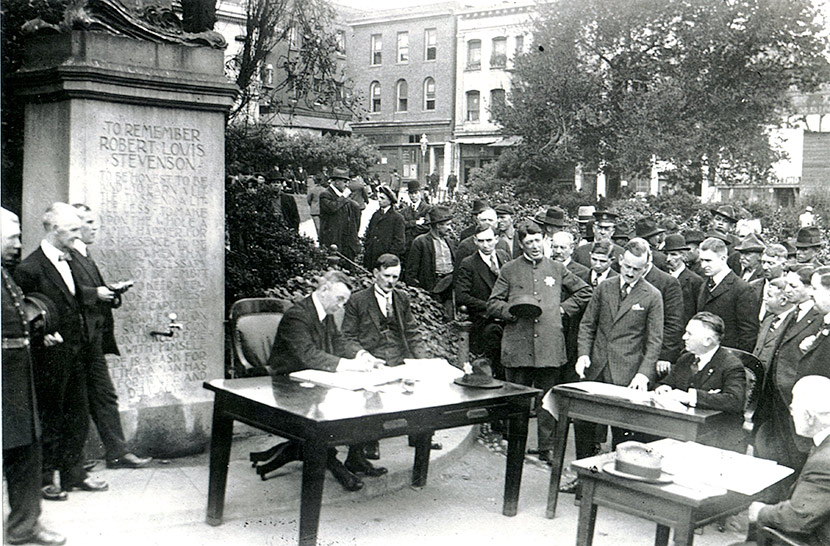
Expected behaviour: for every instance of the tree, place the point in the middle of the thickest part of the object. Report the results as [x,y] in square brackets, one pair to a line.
[297,38]
[694,82]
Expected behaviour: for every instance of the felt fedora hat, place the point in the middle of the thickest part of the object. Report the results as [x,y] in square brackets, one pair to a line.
[808,237]
[438,214]
[727,211]
[647,227]
[339,173]
[675,242]
[751,243]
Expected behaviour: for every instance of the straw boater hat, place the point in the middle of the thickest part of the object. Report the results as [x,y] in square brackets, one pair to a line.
[585,214]
[637,461]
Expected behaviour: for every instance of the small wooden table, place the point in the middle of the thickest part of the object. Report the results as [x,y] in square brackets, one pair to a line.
[683,506]
[321,417]
[571,403]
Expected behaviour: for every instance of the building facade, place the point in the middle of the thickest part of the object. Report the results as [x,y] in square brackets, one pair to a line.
[403,62]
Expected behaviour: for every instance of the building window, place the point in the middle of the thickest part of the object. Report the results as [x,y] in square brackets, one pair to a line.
[430,44]
[473,102]
[520,44]
[496,100]
[340,42]
[429,94]
[403,47]
[295,38]
[377,45]
[498,58]
[402,90]
[474,55]
[374,93]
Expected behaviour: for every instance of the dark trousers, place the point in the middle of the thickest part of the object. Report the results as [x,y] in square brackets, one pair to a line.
[22,466]
[543,379]
[103,407]
[60,384]
[485,340]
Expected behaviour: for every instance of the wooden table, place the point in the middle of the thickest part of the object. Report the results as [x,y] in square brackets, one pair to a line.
[692,425]
[321,417]
[682,506]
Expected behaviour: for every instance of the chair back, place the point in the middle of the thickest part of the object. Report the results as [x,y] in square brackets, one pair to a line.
[254,323]
[754,380]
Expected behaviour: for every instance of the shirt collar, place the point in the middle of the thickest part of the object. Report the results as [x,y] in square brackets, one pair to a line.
[706,357]
[81,247]
[718,277]
[805,306]
[379,293]
[632,285]
[821,436]
[318,306]
[679,271]
[335,190]
[51,251]
[487,259]
[566,262]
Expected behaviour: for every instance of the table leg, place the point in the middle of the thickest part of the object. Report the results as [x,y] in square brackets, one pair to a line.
[661,537]
[559,443]
[587,514]
[314,474]
[220,452]
[516,442]
[420,469]
[684,533]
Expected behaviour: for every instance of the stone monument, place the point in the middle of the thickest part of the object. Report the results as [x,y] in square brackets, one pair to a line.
[130,120]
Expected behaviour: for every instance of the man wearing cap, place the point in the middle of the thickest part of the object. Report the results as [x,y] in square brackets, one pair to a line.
[601,262]
[807,246]
[647,228]
[604,224]
[339,215]
[620,336]
[385,233]
[479,205]
[585,223]
[750,249]
[467,247]
[22,455]
[507,231]
[533,346]
[724,222]
[474,282]
[59,370]
[726,295]
[772,263]
[414,213]
[693,239]
[429,264]
[676,248]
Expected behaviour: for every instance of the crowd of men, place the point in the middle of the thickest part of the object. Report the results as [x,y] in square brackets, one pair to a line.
[55,374]
[656,311]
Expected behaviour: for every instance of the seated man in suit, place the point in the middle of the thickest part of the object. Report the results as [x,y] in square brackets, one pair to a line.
[706,376]
[308,337]
[806,513]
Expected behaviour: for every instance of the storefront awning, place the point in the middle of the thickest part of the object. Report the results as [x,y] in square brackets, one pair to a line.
[505,142]
[480,140]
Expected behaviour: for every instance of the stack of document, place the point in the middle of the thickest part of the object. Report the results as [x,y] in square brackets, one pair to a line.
[416,369]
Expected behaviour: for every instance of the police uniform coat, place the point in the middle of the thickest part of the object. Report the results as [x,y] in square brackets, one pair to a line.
[540,342]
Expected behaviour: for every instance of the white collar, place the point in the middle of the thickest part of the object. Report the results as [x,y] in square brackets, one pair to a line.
[81,247]
[321,312]
[51,251]
[821,436]
[717,278]
[566,262]
[335,190]
[384,210]
[706,357]
[487,259]
[679,271]
[632,285]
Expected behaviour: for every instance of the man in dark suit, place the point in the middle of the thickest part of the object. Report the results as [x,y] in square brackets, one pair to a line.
[808,241]
[724,221]
[601,261]
[339,215]
[604,225]
[727,296]
[806,513]
[776,307]
[287,204]
[672,296]
[750,250]
[647,228]
[621,335]
[429,264]
[98,299]
[308,338]
[22,457]
[474,282]
[773,261]
[707,376]
[562,249]
[59,370]
[479,205]
[467,246]
[414,214]
[793,358]
[676,249]
[386,230]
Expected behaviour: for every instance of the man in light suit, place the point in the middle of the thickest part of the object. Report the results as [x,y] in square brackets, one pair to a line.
[98,300]
[621,335]
[533,348]
[474,282]
[59,370]
[806,513]
[727,296]
[707,376]
[308,338]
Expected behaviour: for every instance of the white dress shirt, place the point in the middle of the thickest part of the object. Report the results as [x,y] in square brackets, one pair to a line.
[54,256]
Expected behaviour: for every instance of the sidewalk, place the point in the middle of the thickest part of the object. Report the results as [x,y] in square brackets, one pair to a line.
[164,504]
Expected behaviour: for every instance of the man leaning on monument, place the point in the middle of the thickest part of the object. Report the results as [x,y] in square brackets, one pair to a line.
[308,338]
[22,456]
[99,299]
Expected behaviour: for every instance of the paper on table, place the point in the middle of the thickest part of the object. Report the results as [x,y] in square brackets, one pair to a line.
[418,369]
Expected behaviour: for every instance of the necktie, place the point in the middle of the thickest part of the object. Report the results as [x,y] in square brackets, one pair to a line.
[774,322]
[65,257]
[710,284]
[494,264]
[389,305]
[624,291]
[594,279]
[695,364]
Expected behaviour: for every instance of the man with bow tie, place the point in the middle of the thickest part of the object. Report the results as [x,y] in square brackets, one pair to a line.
[59,370]
[709,377]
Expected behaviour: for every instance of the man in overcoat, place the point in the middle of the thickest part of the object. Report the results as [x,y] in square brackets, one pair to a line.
[339,215]
[386,230]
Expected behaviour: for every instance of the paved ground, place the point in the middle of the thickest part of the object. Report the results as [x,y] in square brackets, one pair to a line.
[164,504]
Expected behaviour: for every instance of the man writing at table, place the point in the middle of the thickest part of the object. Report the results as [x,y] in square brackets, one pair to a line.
[709,377]
[308,337]
[806,514]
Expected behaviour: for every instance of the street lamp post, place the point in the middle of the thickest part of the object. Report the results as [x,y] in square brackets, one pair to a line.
[424,144]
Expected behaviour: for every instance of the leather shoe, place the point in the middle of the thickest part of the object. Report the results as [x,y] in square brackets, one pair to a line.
[533,451]
[90,484]
[284,454]
[372,450]
[436,446]
[53,493]
[90,464]
[546,456]
[43,536]
[349,481]
[570,486]
[129,460]
[357,465]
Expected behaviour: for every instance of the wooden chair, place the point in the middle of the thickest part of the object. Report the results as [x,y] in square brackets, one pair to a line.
[772,537]
[254,323]
[754,380]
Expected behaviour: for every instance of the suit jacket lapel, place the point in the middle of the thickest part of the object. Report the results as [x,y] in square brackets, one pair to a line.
[374,310]
[484,271]
[634,297]
[723,286]
[798,327]
[54,275]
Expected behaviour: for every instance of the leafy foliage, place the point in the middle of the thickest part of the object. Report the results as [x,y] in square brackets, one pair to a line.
[695,83]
